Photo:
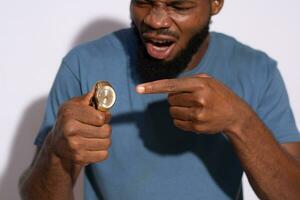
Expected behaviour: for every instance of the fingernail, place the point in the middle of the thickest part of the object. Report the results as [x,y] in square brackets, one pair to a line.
[140,89]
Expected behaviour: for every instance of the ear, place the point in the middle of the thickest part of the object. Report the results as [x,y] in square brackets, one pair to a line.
[216,6]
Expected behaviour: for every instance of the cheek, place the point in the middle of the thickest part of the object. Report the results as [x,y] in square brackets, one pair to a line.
[188,26]
[191,23]
[137,14]
[133,14]
[194,20]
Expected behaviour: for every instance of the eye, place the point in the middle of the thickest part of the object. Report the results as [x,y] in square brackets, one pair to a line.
[180,6]
[142,2]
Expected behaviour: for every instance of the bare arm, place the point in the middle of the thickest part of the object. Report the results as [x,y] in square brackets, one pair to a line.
[203,105]
[48,177]
[273,170]
[80,136]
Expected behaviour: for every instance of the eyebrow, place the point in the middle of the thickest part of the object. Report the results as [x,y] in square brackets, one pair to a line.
[181,2]
[173,1]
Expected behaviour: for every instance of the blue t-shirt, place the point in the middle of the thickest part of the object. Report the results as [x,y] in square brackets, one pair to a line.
[150,159]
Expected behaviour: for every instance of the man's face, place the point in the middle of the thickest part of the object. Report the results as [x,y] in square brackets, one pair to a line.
[168,28]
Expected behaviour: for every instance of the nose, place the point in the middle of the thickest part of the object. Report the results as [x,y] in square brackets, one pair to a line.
[158,18]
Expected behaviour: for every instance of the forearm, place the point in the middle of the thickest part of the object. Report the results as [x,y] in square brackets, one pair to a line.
[272,173]
[48,178]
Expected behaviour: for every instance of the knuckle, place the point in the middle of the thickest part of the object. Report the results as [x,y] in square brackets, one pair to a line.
[103,155]
[171,111]
[101,117]
[79,158]
[109,143]
[107,116]
[170,85]
[185,128]
[198,128]
[197,115]
[203,102]
[106,143]
[65,110]
[74,144]
[105,130]
[203,75]
[68,111]
[69,128]
[175,122]
[180,126]
[200,83]
[195,127]
[200,100]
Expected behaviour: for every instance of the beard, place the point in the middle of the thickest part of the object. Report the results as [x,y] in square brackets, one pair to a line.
[151,69]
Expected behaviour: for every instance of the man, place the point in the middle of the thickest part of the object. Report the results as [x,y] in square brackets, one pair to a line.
[194,109]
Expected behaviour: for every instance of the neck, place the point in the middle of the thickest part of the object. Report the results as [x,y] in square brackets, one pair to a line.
[199,55]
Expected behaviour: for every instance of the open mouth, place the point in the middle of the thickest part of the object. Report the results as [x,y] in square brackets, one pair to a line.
[159,47]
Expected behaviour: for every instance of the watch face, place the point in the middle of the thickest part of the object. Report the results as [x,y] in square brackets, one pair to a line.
[105,96]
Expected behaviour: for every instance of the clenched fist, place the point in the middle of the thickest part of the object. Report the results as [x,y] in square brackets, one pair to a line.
[81,134]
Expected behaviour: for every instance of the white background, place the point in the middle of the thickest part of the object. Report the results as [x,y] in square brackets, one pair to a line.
[35,35]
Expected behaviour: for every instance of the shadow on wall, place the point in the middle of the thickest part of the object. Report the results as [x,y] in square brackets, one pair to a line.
[96,29]
[23,149]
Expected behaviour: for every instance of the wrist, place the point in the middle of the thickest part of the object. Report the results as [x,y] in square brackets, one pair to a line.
[244,122]
[48,157]
[49,152]
[58,162]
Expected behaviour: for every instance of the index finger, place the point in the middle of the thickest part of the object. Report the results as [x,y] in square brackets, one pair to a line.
[167,86]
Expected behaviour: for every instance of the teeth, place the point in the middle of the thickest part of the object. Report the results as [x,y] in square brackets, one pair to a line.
[160,41]
[160,48]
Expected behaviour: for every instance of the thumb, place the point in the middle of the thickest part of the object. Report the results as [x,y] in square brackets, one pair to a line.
[87,97]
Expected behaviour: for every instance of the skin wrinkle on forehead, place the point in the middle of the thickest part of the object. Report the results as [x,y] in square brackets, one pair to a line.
[164,4]
[167,1]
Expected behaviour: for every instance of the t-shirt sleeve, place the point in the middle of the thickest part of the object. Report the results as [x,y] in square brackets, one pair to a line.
[275,110]
[66,85]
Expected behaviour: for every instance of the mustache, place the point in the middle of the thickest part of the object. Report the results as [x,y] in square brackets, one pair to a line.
[161,31]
